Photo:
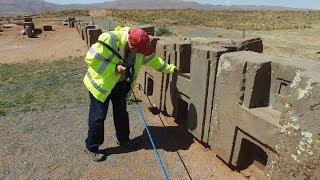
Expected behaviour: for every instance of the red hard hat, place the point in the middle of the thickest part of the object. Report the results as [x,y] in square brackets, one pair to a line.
[139,39]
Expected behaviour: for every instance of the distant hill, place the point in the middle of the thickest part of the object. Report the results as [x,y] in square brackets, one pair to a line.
[37,6]
[26,6]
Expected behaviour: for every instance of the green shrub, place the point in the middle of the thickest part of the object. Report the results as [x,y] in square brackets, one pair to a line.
[163,31]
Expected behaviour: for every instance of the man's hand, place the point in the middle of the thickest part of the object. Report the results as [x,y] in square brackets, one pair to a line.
[121,69]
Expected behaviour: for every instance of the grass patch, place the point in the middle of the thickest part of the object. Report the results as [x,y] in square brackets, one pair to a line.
[163,31]
[35,85]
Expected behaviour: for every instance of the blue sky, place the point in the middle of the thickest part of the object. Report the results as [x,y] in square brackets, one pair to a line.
[314,4]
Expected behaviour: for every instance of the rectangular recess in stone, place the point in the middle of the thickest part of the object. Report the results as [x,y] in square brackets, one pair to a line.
[283,87]
[248,151]
[282,73]
[183,59]
[150,85]
[141,79]
[257,85]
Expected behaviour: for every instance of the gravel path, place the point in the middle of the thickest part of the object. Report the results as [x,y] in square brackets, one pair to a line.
[48,145]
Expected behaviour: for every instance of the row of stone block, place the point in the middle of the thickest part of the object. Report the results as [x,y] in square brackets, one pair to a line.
[88,32]
[248,107]
[70,21]
[27,18]
[198,67]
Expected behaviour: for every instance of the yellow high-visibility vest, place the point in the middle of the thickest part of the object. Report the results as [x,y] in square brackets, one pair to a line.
[101,76]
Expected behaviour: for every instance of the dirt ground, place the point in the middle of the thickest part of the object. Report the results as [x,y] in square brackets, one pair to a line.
[62,42]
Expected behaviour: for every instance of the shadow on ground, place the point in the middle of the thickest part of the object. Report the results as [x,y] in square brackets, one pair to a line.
[169,139]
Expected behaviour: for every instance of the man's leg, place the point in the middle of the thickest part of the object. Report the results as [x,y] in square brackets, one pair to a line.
[120,114]
[97,116]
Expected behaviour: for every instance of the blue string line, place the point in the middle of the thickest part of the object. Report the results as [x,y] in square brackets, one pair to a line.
[156,153]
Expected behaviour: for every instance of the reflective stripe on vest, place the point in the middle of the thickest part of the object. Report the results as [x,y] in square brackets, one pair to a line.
[163,67]
[113,40]
[94,84]
[105,64]
[105,61]
[148,59]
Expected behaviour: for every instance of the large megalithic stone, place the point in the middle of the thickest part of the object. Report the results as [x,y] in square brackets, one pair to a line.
[30,24]
[178,52]
[204,63]
[93,35]
[243,123]
[84,29]
[29,31]
[27,19]
[86,37]
[47,27]
[71,21]
[151,88]
[249,44]
[266,112]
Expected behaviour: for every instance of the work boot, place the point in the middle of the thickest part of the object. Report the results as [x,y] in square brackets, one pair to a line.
[129,144]
[95,156]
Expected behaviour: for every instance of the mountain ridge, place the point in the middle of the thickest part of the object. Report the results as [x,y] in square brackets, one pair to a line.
[39,6]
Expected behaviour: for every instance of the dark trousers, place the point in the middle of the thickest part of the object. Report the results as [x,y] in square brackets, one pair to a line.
[98,113]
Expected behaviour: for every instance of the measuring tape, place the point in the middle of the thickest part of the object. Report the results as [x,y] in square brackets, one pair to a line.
[156,153]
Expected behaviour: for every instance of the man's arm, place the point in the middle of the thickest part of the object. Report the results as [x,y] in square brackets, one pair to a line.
[158,64]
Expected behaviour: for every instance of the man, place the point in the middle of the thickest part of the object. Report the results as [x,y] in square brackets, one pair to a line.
[114,63]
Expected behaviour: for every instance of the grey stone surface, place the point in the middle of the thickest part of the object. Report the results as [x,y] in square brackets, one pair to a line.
[210,41]
[149,29]
[204,61]
[251,105]
[85,31]
[299,144]
[249,44]
[237,80]
[168,90]
[178,53]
